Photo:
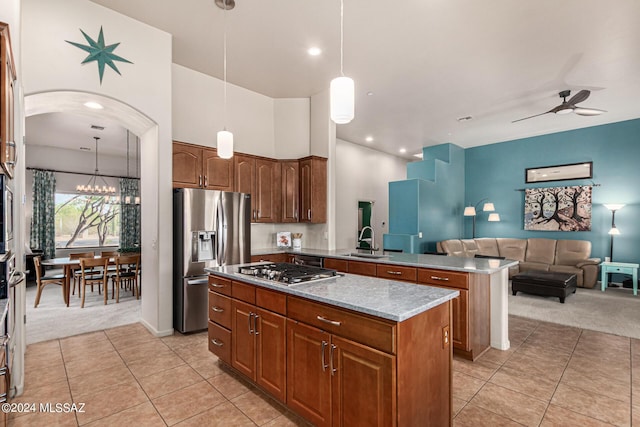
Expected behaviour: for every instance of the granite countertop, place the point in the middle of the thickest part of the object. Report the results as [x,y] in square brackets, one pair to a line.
[467,265]
[383,298]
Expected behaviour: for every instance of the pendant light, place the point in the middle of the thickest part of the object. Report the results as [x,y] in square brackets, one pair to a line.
[342,89]
[225,138]
[93,187]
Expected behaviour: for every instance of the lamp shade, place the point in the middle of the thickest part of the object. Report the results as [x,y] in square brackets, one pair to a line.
[342,99]
[225,144]
[494,217]
[488,207]
[469,211]
[614,231]
[613,206]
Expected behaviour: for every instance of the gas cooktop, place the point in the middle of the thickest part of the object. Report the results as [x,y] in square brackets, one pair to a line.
[288,274]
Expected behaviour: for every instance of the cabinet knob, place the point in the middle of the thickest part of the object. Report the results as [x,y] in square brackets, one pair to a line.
[199,180]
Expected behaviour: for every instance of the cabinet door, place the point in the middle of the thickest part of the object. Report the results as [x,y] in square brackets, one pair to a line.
[308,376]
[336,264]
[218,173]
[245,179]
[290,191]
[7,79]
[187,166]
[267,194]
[362,384]
[243,348]
[271,353]
[313,190]
[460,318]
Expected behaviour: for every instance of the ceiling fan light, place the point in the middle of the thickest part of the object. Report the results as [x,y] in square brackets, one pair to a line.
[225,144]
[565,110]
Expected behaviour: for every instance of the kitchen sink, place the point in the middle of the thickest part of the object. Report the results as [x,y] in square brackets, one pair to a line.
[362,255]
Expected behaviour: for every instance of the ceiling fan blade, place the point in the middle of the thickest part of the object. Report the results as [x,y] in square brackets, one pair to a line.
[579,97]
[530,117]
[588,111]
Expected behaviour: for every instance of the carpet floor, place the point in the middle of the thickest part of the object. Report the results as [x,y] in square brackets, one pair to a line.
[615,311]
[53,320]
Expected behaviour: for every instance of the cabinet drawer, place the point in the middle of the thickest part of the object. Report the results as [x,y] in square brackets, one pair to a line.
[443,278]
[272,301]
[396,272]
[244,292]
[220,285]
[220,309]
[622,270]
[362,268]
[337,264]
[220,342]
[360,328]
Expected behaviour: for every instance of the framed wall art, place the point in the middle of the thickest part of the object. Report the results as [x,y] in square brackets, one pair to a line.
[582,170]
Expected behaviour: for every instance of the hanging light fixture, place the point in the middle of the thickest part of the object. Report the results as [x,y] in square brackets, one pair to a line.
[225,138]
[342,89]
[93,186]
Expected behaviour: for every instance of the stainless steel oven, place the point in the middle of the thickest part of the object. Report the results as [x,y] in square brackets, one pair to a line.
[6,214]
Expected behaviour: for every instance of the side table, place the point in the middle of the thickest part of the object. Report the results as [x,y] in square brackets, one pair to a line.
[621,268]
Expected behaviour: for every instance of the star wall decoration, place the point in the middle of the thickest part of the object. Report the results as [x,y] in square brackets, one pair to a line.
[100,53]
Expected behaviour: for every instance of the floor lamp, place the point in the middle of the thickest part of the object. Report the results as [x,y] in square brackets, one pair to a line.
[613,232]
[472,212]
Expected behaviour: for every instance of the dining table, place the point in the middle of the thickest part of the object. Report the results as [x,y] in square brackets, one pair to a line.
[67,264]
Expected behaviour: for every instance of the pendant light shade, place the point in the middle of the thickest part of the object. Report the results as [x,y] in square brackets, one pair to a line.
[225,144]
[342,95]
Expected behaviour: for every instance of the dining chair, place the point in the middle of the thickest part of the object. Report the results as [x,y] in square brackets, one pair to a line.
[42,281]
[110,254]
[75,269]
[127,270]
[93,271]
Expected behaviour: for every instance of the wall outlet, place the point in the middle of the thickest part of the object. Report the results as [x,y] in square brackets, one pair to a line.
[419,234]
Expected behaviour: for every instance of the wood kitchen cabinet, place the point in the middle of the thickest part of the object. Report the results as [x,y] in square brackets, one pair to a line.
[201,167]
[290,190]
[471,311]
[7,82]
[313,190]
[261,178]
[326,372]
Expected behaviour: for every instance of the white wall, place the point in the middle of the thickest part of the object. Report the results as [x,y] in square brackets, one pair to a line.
[140,99]
[292,127]
[363,174]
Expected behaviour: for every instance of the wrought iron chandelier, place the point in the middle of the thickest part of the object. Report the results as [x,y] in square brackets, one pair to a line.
[94,187]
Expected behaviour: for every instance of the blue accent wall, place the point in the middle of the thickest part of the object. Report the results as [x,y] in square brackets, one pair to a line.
[497,171]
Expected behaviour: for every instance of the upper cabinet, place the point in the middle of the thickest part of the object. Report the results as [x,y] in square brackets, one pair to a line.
[282,191]
[313,190]
[7,81]
[290,190]
[261,178]
[201,167]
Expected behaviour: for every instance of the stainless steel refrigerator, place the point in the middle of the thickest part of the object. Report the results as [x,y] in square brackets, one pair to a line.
[210,229]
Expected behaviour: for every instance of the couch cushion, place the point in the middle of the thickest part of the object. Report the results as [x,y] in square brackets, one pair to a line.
[512,248]
[487,246]
[528,266]
[541,250]
[569,269]
[453,247]
[470,247]
[571,252]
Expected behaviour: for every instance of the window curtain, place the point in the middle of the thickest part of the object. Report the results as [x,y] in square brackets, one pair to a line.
[129,214]
[43,224]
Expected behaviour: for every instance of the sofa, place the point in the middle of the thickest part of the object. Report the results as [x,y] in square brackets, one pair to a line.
[566,256]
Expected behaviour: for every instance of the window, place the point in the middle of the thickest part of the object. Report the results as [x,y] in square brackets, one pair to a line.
[86,220]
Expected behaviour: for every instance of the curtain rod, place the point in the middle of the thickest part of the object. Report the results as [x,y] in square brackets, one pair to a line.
[532,188]
[79,173]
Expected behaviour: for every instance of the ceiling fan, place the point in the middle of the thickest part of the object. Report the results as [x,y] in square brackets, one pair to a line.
[570,105]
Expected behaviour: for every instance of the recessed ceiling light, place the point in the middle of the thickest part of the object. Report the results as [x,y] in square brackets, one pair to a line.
[403,150]
[370,93]
[369,139]
[94,105]
[314,51]
[419,155]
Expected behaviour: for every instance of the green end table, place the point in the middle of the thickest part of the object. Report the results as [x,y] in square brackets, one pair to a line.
[621,268]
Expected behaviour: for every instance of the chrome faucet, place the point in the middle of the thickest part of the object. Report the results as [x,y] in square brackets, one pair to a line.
[371,241]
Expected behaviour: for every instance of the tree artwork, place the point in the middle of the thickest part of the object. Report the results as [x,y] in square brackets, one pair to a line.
[558,208]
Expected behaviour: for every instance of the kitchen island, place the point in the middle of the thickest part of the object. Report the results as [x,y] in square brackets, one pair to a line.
[348,351]
[481,316]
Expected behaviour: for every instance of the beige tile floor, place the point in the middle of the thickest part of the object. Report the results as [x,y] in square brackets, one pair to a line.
[552,376]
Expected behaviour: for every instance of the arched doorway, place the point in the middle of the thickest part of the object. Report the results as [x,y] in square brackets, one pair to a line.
[156,307]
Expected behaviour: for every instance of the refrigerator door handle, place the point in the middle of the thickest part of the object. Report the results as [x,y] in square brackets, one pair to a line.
[203,281]
[221,235]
